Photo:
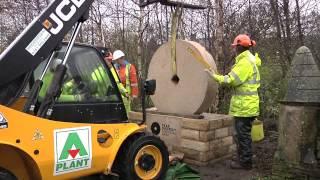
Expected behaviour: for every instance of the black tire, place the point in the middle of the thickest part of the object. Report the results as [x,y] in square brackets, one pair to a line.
[129,152]
[6,175]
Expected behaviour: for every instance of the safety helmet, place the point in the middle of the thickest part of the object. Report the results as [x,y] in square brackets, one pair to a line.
[117,55]
[243,40]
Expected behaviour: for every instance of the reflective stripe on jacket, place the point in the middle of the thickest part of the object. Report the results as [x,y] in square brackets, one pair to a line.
[121,88]
[99,76]
[102,82]
[66,95]
[128,77]
[245,80]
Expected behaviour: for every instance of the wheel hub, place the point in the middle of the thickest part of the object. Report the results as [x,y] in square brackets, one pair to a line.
[147,162]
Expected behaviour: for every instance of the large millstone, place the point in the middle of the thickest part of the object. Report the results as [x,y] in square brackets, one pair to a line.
[194,93]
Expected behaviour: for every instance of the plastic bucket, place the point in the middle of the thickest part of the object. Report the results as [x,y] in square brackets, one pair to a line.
[257,133]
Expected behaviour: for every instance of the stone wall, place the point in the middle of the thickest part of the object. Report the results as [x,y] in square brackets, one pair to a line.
[203,141]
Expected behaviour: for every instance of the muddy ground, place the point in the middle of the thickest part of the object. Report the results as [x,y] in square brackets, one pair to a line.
[263,157]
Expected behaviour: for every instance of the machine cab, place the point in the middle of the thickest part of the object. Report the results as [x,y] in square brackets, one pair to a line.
[89,93]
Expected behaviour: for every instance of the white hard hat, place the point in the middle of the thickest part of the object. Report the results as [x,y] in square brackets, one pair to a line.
[117,55]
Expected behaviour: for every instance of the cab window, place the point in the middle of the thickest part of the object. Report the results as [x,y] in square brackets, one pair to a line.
[87,78]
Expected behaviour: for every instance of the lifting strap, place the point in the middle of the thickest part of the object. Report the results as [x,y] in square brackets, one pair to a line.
[176,17]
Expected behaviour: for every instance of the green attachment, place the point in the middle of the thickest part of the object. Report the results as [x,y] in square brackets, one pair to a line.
[181,171]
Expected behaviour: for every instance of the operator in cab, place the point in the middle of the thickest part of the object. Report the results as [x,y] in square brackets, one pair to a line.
[68,93]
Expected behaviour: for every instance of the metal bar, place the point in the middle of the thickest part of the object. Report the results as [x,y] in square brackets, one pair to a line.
[148,2]
[47,66]
[182,4]
[171,3]
[71,42]
[143,102]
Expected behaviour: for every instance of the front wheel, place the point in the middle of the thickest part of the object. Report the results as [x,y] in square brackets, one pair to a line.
[144,158]
[6,175]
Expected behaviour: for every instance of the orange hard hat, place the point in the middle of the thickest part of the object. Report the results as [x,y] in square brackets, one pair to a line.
[243,40]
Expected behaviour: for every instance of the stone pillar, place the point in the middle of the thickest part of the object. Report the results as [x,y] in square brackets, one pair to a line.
[297,134]
[296,156]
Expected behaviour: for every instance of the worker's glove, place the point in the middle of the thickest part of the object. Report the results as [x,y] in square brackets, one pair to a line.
[210,72]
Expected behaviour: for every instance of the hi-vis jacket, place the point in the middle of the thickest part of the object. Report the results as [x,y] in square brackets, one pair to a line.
[100,77]
[66,95]
[245,80]
[128,77]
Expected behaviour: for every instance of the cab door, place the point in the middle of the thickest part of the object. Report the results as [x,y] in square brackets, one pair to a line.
[89,92]
[89,100]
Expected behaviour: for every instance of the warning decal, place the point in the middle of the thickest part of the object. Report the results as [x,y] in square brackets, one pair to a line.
[36,44]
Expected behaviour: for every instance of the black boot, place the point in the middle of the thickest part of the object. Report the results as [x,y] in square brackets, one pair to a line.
[237,165]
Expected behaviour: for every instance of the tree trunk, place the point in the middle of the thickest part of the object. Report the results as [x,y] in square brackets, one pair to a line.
[208,33]
[301,38]
[140,60]
[159,20]
[219,34]
[92,33]
[123,24]
[167,23]
[288,42]
[275,9]
[218,46]
[81,35]
[287,19]
[38,6]
[250,21]
[25,12]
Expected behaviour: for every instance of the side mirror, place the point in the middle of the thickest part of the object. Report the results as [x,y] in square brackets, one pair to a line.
[150,87]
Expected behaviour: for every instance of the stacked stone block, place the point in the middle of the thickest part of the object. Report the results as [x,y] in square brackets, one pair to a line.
[203,141]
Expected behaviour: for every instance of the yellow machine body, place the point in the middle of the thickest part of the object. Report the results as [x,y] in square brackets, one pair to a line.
[30,146]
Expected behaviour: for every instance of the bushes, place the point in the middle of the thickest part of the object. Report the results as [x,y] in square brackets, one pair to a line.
[272,90]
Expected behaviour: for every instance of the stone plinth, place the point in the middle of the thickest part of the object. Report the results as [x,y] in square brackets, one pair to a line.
[297,133]
[297,147]
[203,141]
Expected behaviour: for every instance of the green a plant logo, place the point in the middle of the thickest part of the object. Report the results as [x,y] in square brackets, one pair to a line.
[72,150]
[73,140]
